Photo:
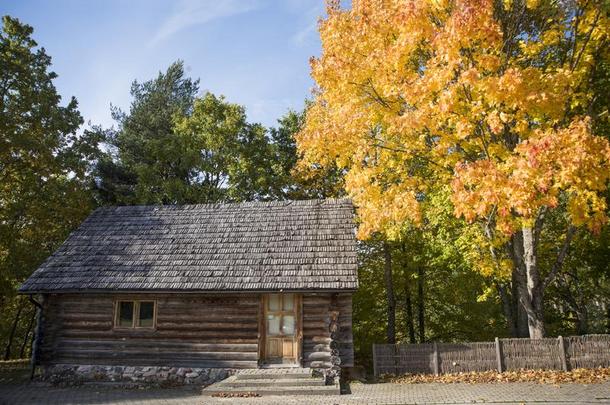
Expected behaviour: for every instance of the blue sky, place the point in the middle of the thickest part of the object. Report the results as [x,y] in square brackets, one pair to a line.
[255,52]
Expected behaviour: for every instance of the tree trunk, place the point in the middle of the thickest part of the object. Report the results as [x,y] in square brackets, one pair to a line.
[582,321]
[27,334]
[508,309]
[516,318]
[420,305]
[7,351]
[409,313]
[607,318]
[389,287]
[531,291]
[524,254]
[522,323]
[574,301]
[518,309]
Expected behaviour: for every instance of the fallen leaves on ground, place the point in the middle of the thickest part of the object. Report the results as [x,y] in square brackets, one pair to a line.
[579,375]
[236,394]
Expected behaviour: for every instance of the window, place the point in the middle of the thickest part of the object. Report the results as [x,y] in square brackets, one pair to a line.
[280,313]
[134,314]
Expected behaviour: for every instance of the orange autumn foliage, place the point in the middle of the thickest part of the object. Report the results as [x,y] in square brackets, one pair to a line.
[480,95]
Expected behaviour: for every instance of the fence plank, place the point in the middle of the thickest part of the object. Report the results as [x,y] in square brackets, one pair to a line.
[499,356]
[465,357]
[562,353]
[588,351]
[437,370]
[531,354]
[502,354]
[375,373]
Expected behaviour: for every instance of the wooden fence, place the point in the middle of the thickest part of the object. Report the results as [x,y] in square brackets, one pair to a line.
[503,354]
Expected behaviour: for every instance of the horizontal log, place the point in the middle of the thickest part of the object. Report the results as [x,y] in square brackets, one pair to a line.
[318,356]
[206,308]
[309,298]
[315,308]
[310,324]
[175,297]
[203,337]
[87,325]
[311,332]
[318,364]
[317,339]
[154,362]
[214,299]
[82,316]
[347,357]
[160,333]
[163,345]
[316,305]
[205,327]
[208,324]
[156,354]
[315,347]
[85,306]
[206,316]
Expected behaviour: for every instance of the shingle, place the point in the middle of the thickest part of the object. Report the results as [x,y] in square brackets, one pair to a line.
[289,245]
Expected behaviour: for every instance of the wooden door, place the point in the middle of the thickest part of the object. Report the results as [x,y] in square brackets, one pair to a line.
[282,330]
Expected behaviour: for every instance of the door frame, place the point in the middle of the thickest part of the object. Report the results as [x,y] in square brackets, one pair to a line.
[262,333]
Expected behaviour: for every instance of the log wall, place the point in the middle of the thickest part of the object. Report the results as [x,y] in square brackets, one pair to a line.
[192,330]
[320,345]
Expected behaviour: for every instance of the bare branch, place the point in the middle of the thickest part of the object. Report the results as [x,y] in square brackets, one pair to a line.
[561,256]
[587,39]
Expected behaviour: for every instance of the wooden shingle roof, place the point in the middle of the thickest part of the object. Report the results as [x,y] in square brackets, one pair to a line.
[254,246]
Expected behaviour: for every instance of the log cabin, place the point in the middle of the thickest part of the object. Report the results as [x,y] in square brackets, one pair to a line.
[243,285]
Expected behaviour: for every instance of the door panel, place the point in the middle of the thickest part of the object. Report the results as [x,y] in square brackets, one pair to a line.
[288,349]
[274,347]
[281,328]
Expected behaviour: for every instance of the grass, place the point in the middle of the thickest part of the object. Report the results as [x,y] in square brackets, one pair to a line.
[14,371]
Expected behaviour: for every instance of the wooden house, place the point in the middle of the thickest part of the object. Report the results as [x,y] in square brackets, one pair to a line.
[231,286]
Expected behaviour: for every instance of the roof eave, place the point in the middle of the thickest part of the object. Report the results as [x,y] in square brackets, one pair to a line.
[185,291]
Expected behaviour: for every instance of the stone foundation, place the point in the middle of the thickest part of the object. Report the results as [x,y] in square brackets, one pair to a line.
[71,374]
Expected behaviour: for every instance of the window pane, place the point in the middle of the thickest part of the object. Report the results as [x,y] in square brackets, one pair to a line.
[273,324]
[288,325]
[147,312]
[274,302]
[288,302]
[126,313]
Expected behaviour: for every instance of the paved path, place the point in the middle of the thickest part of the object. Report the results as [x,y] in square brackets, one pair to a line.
[386,393]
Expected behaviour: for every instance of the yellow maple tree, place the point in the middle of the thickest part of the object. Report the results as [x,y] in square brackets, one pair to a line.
[489,97]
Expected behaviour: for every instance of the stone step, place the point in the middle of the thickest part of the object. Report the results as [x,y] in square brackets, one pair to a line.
[267,382]
[274,374]
[215,389]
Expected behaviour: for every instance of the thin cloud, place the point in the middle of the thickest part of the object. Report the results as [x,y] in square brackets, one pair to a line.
[301,36]
[310,30]
[194,12]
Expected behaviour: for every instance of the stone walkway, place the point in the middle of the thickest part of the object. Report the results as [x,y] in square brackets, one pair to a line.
[383,393]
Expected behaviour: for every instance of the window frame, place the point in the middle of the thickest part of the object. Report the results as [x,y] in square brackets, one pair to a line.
[281,312]
[135,316]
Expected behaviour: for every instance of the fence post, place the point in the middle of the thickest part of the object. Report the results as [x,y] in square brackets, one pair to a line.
[437,370]
[562,353]
[499,355]
[375,360]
